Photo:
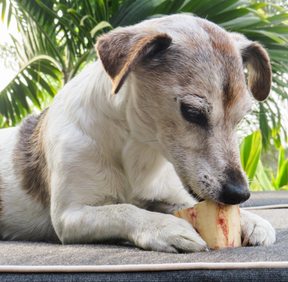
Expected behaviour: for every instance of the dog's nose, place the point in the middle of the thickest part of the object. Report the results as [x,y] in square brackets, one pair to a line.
[234,194]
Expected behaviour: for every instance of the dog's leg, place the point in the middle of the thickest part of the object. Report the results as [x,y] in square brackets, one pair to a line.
[256,230]
[148,230]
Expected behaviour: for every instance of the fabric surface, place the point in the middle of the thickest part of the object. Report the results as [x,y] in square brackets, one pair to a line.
[267,198]
[246,275]
[32,254]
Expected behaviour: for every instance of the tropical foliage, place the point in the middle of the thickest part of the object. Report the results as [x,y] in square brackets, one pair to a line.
[58,37]
[260,178]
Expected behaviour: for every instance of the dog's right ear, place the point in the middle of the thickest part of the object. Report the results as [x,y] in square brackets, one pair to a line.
[121,50]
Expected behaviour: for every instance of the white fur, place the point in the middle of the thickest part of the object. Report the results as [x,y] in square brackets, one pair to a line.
[109,155]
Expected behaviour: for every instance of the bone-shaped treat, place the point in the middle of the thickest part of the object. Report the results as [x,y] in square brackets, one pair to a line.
[217,224]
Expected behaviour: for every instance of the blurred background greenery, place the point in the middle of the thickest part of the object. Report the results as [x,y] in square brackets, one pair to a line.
[57,40]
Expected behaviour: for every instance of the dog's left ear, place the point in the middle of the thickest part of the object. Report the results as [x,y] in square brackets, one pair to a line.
[258,64]
[121,50]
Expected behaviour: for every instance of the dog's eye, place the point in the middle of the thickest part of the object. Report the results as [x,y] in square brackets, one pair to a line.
[193,115]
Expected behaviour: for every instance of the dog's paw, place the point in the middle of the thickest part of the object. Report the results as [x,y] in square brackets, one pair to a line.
[256,231]
[167,233]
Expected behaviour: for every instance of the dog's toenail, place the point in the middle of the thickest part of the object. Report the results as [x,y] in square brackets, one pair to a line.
[206,249]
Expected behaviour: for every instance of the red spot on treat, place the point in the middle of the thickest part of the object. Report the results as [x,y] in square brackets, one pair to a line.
[222,222]
[192,213]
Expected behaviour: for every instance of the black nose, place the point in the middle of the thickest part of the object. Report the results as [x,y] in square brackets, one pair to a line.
[234,194]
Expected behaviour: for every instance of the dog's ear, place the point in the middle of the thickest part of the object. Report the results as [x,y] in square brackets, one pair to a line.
[258,63]
[120,51]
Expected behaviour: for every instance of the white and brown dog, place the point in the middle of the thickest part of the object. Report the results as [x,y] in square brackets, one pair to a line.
[96,167]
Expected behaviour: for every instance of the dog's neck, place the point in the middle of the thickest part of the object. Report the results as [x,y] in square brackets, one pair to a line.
[88,102]
[92,88]
[102,116]
[87,99]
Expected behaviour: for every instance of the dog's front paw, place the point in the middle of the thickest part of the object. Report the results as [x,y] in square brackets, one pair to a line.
[167,233]
[256,231]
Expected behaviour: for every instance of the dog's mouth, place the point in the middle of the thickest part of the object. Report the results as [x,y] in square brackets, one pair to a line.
[195,195]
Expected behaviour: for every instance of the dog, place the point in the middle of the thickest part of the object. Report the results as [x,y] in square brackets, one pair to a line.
[148,129]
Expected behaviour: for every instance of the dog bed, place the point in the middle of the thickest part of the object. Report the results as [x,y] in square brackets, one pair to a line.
[29,261]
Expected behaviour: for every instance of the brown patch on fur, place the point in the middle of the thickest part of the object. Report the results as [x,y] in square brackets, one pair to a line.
[111,52]
[233,89]
[232,70]
[120,53]
[260,75]
[29,158]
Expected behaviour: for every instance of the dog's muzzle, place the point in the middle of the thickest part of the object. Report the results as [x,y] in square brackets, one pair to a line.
[234,194]
[195,196]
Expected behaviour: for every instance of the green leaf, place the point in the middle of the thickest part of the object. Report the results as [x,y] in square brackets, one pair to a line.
[218,8]
[230,15]
[281,160]
[134,13]
[3,9]
[257,13]
[10,109]
[274,36]
[239,23]
[2,121]
[87,17]
[31,92]
[263,178]
[282,179]
[88,7]
[37,78]
[250,149]
[9,15]
[278,18]
[79,63]
[264,127]
[190,6]
[100,26]
[18,95]
[169,7]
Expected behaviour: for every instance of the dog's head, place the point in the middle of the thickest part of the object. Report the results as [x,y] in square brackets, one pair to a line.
[187,93]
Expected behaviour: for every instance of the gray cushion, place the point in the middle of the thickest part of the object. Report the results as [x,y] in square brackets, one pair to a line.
[31,253]
[267,198]
[38,261]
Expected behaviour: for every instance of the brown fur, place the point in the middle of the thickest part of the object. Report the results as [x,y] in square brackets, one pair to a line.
[225,52]
[260,75]
[29,158]
[119,68]
[113,63]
